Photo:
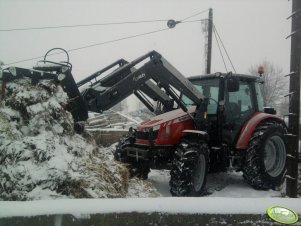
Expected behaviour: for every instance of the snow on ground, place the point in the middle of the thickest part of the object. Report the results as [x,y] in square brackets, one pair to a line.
[160,180]
[84,207]
[230,195]
[229,184]
[142,189]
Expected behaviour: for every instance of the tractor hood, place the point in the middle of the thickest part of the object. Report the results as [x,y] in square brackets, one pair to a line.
[164,118]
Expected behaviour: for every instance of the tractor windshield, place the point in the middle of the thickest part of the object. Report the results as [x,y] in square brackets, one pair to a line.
[210,89]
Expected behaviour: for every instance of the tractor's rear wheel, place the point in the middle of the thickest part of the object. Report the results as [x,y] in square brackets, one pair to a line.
[189,169]
[265,160]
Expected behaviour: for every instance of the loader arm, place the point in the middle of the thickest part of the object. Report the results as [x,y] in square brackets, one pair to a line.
[110,80]
[154,73]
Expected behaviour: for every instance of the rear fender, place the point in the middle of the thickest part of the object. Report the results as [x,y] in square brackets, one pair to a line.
[201,135]
[249,127]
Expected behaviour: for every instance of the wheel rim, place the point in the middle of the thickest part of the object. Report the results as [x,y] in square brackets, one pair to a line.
[199,174]
[274,156]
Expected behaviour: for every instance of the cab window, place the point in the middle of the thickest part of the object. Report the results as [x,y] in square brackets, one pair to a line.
[210,89]
[239,104]
[259,97]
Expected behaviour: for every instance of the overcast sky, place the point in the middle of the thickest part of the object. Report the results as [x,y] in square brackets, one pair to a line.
[252,31]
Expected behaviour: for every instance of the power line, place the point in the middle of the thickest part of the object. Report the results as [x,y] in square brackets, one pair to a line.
[220,51]
[101,43]
[224,48]
[196,14]
[101,24]
[83,25]
[96,24]
[92,45]
[119,39]
[192,21]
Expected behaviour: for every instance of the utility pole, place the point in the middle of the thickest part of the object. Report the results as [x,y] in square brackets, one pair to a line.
[294,106]
[209,47]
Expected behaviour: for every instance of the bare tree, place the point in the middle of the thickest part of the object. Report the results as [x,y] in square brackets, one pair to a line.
[283,107]
[275,85]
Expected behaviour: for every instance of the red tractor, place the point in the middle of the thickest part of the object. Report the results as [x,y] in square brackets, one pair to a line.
[225,126]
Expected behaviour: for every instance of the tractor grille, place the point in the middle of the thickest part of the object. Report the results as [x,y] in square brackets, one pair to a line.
[147,135]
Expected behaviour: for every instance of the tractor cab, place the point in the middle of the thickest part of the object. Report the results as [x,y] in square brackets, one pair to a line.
[232,100]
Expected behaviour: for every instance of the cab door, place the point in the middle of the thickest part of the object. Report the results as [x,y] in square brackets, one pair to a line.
[239,107]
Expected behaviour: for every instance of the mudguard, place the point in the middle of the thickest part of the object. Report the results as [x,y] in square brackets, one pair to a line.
[249,127]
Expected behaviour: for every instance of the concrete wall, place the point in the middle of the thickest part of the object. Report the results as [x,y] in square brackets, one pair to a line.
[143,219]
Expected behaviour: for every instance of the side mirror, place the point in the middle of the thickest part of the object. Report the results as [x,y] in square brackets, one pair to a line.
[232,84]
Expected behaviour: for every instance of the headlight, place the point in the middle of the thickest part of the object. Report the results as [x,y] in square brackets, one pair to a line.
[157,127]
[64,69]
[61,77]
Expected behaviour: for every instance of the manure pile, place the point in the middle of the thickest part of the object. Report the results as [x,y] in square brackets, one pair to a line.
[41,156]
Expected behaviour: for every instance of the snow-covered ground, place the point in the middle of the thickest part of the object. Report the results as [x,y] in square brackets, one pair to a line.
[209,205]
[228,194]
[218,185]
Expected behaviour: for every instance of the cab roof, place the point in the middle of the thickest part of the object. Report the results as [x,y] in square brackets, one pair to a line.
[218,75]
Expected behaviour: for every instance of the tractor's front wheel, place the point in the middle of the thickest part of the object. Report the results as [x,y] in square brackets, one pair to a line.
[265,160]
[120,152]
[189,169]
